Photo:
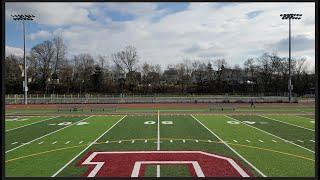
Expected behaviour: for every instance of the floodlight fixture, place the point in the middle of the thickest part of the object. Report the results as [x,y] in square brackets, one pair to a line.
[23,18]
[285,17]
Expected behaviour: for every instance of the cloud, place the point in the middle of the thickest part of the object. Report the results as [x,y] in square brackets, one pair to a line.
[298,43]
[13,51]
[52,13]
[166,36]
[253,14]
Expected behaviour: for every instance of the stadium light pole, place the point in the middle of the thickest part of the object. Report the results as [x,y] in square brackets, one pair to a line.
[23,18]
[285,17]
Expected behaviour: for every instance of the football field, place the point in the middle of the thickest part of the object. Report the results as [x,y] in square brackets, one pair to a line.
[160,144]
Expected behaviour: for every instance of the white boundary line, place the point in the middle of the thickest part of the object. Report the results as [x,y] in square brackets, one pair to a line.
[304,117]
[269,133]
[285,122]
[31,123]
[62,168]
[255,168]
[46,135]
[98,165]
[158,143]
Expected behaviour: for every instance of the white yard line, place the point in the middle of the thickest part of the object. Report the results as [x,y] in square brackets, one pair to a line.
[269,134]
[158,142]
[62,168]
[255,168]
[31,124]
[46,135]
[286,123]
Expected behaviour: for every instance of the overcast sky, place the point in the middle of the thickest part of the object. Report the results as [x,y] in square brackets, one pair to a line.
[166,33]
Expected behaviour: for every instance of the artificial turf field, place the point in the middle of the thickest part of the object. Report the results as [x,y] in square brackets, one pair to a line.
[160,144]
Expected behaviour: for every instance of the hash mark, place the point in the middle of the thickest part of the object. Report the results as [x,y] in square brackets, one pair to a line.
[67,142]
[184,141]
[209,141]
[145,141]
[248,140]
[312,140]
[40,142]
[299,140]
[235,141]
[171,140]
[260,140]
[197,140]
[120,142]
[54,142]
[14,143]
[132,141]
[106,142]
[273,140]
[80,142]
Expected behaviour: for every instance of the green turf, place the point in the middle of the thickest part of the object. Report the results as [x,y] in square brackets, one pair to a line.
[295,120]
[23,121]
[295,134]
[28,133]
[49,154]
[56,155]
[167,171]
[271,158]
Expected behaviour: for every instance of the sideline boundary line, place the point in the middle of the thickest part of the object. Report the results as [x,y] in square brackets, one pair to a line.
[269,134]
[93,142]
[286,123]
[255,168]
[46,135]
[31,123]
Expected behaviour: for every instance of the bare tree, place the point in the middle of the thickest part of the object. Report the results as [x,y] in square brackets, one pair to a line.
[43,55]
[127,59]
[60,52]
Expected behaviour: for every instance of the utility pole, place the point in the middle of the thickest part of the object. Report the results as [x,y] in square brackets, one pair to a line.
[285,17]
[23,18]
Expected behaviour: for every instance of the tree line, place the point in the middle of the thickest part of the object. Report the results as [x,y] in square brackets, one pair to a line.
[50,71]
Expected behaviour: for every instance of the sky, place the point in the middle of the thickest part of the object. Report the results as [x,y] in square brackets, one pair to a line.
[167,33]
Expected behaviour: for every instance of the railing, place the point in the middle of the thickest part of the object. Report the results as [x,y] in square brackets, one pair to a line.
[112,99]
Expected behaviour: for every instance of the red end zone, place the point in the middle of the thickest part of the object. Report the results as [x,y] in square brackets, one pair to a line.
[132,163]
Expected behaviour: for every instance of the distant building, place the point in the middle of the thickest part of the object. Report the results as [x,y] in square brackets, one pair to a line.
[170,76]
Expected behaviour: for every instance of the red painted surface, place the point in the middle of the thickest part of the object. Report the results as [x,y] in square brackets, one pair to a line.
[121,165]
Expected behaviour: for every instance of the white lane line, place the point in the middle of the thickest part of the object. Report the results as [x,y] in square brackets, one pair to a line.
[47,134]
[67,142]
[260,140]
[54,142]
[248,140]
[270,134]
[31,123]
[158,170]
[14,143]
[80,142]
[235,141]
[300,140]
[255,168]
[273,140]
[286,123]
[62,168]
[40,142]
